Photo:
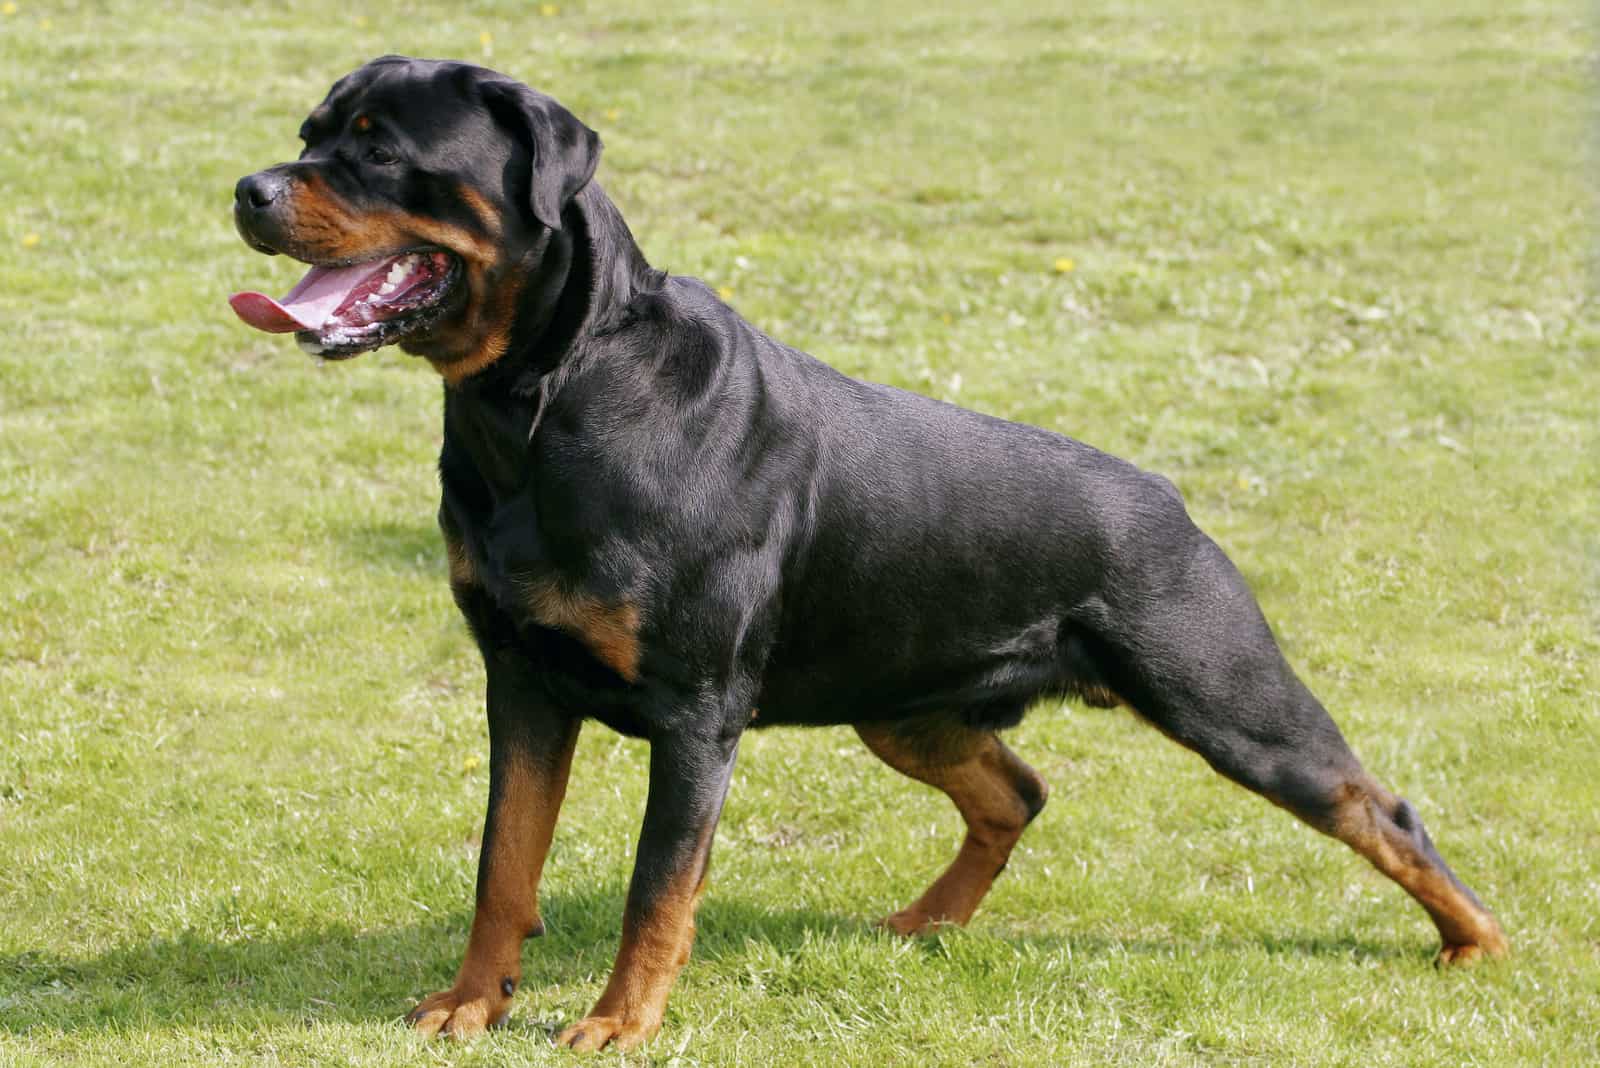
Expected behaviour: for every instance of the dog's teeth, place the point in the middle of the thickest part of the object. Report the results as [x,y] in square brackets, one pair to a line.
[387,288]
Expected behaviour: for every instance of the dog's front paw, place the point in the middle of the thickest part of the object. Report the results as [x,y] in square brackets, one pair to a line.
[598,1032]
[460,1013]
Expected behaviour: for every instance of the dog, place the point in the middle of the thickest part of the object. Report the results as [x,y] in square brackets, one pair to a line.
[659,518]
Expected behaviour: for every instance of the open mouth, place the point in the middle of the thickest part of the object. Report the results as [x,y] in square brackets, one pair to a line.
[338,312]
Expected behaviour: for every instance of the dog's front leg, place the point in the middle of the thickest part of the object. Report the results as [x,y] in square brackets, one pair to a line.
[689,772]
[530,753]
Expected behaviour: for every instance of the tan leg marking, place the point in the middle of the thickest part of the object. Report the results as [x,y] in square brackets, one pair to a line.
[655,947]
[997,795]
[1363,818]
[508,900]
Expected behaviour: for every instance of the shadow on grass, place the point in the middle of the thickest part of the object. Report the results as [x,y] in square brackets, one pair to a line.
[400,548]
[339,973]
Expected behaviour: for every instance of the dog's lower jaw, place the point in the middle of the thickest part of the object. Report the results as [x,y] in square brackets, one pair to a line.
[455,369]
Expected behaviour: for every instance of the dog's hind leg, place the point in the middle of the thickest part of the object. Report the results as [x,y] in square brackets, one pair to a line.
[1388,832]
[1196,659]
[995,792]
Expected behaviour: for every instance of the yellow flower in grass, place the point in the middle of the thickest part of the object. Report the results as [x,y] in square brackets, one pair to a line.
[724,292]
[8,8]
[549,10]
[471,764]
[30,240]
[1065,266]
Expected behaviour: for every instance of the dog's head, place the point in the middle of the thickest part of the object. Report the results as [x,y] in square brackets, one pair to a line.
[426,194]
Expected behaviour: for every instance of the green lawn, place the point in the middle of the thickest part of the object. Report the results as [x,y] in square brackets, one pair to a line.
[1324,265]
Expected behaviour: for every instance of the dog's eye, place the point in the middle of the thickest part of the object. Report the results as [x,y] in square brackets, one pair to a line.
[381,155]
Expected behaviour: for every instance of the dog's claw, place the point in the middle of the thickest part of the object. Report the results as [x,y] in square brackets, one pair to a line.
[599,1032]
[458,1014]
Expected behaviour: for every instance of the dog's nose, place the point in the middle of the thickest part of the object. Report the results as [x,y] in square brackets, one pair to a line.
[259,203]
[259,190]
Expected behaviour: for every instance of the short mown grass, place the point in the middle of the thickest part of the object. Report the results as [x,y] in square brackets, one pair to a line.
[1325,266]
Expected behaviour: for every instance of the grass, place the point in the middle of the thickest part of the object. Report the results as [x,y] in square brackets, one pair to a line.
[1324,266]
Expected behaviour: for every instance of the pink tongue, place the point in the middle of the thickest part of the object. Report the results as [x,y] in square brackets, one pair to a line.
[308,305]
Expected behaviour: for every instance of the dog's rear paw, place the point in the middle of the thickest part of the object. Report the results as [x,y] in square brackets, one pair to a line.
[1490,945]
[459,1014]
[910,922]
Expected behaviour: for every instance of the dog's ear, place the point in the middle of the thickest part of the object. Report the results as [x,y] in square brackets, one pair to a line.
[565,151]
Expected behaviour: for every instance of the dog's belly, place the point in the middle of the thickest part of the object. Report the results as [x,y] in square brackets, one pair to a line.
[941,637]
[993,698]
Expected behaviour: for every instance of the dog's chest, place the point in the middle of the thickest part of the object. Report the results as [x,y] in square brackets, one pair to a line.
[504,552]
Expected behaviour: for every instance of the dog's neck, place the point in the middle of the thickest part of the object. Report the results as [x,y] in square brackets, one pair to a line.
[588,273]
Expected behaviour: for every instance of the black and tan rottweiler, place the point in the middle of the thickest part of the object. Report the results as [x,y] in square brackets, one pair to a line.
[659,518]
